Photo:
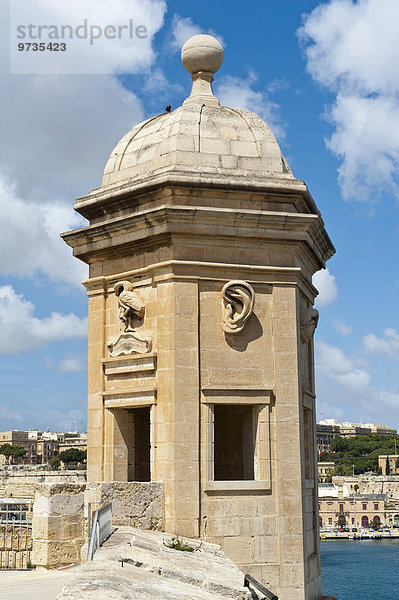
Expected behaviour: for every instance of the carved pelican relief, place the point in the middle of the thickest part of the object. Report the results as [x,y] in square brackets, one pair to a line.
[130,305]
[131,308]
[238,303]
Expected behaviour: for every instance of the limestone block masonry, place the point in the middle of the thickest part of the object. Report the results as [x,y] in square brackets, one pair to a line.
[57,525]
[200,217]
[138,504]
[22,484]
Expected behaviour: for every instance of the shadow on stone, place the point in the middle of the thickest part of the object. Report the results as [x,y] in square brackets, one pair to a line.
[252,331]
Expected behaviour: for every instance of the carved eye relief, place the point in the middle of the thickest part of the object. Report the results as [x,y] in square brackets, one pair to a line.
[309,319]
[238,303]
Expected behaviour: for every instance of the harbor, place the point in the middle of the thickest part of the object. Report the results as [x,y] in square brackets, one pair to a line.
[354,570]
[361,534]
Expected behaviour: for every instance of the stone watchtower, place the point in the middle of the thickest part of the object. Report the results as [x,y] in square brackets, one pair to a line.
[201,247]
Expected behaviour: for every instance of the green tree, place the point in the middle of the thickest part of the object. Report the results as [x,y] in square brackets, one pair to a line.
[375,523]
[356,487]
[329,475]
[340,444]
[341,521]
[55,462]
[342,469]
[11,452]
[361,451]
[72,456]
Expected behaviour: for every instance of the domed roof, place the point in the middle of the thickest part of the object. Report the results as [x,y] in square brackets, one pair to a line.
[200,137]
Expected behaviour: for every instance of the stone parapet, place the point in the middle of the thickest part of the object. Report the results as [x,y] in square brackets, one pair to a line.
[135,503]
[57,525]
[22,483]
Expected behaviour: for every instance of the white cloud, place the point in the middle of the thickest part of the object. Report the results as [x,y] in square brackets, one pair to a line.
[71,421]
[325,283]
[57,133]
[125,52]
[30,238]
[20,330]
[332,361]
[342,327]
[183,28]
[239,92]
[345,390]
[351,49]
[387,344]
[277,85]
[68,364]
[366,140]
[53,419]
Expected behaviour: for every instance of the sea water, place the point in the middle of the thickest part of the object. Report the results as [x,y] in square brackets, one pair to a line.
[360,570]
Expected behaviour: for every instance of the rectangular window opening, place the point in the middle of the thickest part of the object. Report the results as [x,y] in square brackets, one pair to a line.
[234,442]
[139,447]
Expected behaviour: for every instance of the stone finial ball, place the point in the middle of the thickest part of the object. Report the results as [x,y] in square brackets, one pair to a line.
[202,53]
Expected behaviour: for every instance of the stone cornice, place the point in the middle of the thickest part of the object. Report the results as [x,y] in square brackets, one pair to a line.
[201,221]
[184,270]
[227,180]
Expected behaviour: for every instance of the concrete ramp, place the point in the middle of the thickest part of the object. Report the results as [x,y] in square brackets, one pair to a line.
[135,564]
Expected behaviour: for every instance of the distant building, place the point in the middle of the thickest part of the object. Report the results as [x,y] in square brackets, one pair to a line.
[324,469]
[338,506]
[328,429]
[325,433]
[388,463]
[73,439]
[17,438]
[41,446]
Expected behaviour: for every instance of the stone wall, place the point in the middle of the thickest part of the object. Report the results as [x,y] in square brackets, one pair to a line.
[378,484]
[22,483]
[135,503]
[57,526]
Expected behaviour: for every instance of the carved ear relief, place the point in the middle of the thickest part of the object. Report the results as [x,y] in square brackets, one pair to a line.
[238,303]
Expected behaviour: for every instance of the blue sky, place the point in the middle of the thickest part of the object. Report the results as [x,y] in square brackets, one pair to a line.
[324,75]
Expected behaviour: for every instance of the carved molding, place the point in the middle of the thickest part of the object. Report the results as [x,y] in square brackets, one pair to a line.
[129,342]
[238,304]
[308,320]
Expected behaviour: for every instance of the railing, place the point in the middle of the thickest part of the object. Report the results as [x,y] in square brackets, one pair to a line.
[261,588]
[15,534]
[101,528]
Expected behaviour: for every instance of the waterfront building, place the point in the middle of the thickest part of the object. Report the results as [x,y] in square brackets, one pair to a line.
[338,507]
[201,246]
[343,504]
[371,484]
